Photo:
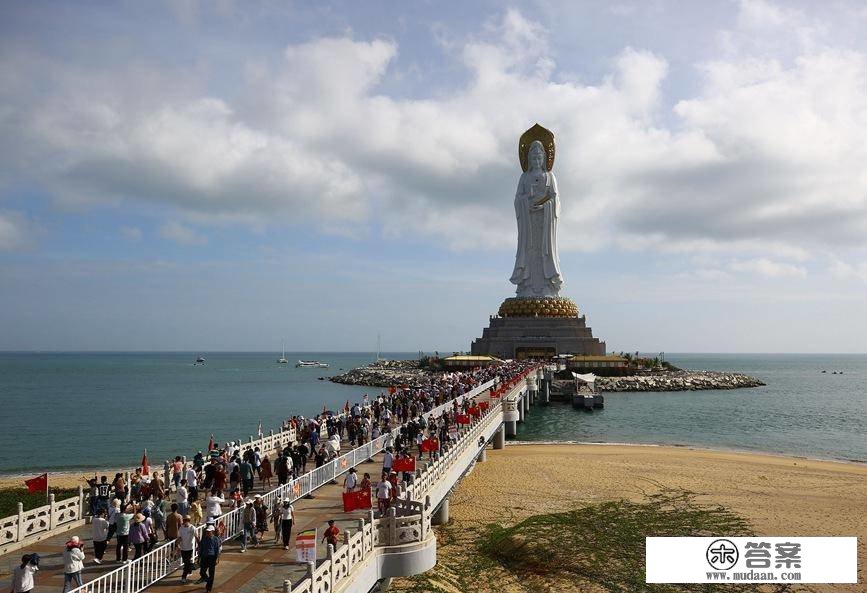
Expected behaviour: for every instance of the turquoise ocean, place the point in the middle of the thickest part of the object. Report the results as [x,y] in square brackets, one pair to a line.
[71,411]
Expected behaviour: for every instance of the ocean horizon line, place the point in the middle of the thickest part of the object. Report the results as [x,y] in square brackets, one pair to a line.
[441,351]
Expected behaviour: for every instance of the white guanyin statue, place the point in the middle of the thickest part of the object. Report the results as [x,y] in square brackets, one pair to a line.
[537,207]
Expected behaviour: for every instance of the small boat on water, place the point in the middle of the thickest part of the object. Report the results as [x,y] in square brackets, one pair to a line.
[311,364]
[200,360]
[282,359]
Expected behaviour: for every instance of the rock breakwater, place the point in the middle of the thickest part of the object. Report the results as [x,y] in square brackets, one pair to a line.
[678,381]
[386,373]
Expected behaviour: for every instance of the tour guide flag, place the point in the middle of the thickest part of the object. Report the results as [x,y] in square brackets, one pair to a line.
[360,499]
[305,546]
[37,484]
[145,468]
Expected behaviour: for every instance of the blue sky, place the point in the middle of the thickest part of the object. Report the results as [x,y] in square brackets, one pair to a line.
[225,175]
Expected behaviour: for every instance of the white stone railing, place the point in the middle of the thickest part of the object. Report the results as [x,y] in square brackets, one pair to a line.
[27,525]
[162,561]
[408,520]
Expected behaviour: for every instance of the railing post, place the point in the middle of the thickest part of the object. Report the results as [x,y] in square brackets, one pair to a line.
[392,526]
[128,583]
[20,534]
[331,567]
[52,521]
[80,502]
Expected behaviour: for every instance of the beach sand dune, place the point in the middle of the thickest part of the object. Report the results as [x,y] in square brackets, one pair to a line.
[778,496]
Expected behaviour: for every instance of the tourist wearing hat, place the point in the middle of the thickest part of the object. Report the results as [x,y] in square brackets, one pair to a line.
[261,516]
[249,525]
[73,563]
[186,540]
[209,551]
[287,515]
[138,534]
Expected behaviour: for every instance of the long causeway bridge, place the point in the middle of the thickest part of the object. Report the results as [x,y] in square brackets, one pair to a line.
[375,548]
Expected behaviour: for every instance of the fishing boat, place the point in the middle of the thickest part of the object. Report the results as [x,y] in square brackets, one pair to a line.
[200,360]
[311,364]
[282,359]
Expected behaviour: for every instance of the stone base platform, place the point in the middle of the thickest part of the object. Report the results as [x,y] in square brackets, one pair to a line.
[537,337]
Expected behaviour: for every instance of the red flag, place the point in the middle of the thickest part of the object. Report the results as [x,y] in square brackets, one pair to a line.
[462,418]
[430,445]
[483,406]
[37,484]
[391,390]
[403,464]
[145,468]
[211,443]
[356,500]
[474,411]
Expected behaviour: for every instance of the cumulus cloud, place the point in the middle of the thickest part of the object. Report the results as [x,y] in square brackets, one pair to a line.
[767,153]
[182,234]
[17,231]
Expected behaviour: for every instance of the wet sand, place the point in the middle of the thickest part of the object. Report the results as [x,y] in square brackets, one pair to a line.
[777,495]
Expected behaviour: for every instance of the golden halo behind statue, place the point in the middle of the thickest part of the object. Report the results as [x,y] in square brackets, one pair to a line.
[543,135]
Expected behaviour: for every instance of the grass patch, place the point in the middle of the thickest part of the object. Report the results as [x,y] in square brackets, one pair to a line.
[10,497]
[597,547]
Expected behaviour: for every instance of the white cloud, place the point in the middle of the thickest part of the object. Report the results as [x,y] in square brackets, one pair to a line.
[764,161]
[768,268]
[17,231]
[179,233]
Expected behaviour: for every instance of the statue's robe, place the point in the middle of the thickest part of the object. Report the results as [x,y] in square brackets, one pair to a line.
[532,277]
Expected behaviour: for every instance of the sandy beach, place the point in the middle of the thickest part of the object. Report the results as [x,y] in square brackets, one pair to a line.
[777,495]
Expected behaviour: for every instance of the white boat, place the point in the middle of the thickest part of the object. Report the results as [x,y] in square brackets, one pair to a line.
[311,364]
[282,359]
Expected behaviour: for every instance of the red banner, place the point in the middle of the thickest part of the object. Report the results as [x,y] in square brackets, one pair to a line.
[391,390]
[430,445]
[37,484]
[474,411]
[403,464]
[356,500]
[483,406]
[495,393]
[462,418]
[145,467]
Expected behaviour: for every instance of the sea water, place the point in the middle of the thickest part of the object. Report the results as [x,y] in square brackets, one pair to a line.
[68,411]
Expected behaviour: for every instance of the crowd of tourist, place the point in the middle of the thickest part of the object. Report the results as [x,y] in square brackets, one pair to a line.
[170,505]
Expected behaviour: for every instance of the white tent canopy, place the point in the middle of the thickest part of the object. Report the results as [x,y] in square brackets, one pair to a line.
[588,378]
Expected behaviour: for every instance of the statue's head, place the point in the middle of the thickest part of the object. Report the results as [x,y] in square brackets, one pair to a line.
[536,155]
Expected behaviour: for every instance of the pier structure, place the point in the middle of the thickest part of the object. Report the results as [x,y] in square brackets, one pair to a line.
[374,549]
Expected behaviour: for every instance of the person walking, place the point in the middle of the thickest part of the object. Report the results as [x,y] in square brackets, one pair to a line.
[249,525]
[138,535]
[287,515]
[213,505]
[73,563]
[23,580]
[331,535]
[182,496]
[173,523]
[99,535]
[351,480]
[246,470]
[186,540]
[261,516]
[209,551]
[265,473]
[123,521]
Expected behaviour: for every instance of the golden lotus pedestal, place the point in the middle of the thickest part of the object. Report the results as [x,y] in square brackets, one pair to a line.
[537,328]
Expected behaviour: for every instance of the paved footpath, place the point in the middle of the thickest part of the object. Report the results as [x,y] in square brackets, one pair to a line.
[258,569]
